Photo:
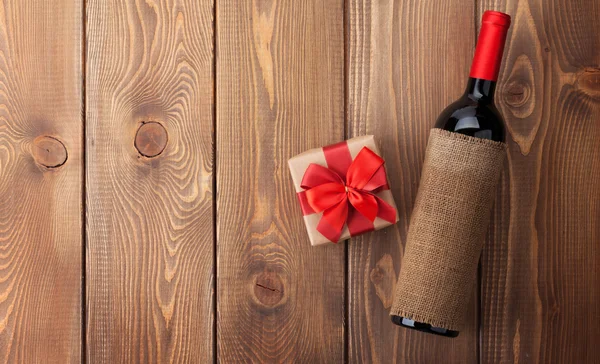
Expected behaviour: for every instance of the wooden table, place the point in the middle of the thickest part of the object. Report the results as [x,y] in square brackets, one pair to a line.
[147,213]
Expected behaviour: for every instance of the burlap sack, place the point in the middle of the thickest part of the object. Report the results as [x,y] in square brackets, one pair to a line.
[447,229]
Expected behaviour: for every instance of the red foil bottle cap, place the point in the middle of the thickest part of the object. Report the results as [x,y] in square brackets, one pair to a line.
[490,45]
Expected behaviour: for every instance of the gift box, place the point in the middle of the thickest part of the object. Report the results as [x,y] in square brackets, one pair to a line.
[343,190]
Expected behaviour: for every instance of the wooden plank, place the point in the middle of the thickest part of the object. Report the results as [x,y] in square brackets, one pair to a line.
[280,92]
[149,181]
[406,62]
[541,268]
[41,177]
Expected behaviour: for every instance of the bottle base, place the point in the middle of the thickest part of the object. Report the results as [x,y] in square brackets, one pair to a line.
[423,327]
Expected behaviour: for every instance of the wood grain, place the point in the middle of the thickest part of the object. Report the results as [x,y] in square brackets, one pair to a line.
[540,269]
[279,93]
[152,139]
[149,181]
[40,181]
[406,62]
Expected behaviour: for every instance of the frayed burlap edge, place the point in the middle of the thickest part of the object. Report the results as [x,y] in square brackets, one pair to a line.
[469,139]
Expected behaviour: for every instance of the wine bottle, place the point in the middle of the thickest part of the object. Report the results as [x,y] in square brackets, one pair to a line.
[474,113]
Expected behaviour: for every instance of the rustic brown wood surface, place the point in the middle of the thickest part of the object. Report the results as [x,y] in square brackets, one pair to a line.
[280,72]
[41,172]
[541,268]
[195,249]
[149,181]
[402,72]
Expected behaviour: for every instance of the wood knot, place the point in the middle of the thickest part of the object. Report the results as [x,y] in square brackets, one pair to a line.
[268,288]
[49,152]
[588,81]
[517,93]
[519,97]
[151,139]
[383,277]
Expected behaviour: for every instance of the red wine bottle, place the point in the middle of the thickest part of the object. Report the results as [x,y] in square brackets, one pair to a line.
[474,113]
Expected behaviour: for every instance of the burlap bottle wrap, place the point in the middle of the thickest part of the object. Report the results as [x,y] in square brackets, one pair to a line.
[447,228]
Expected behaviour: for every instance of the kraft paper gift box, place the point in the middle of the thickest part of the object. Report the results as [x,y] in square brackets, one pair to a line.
[343,190]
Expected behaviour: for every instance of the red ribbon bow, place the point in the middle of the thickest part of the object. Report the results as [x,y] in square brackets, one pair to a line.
[340,198]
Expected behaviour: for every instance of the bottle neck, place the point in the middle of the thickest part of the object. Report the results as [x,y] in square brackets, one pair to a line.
[480,90]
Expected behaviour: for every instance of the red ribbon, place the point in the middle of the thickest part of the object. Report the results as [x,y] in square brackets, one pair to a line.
[345,192]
